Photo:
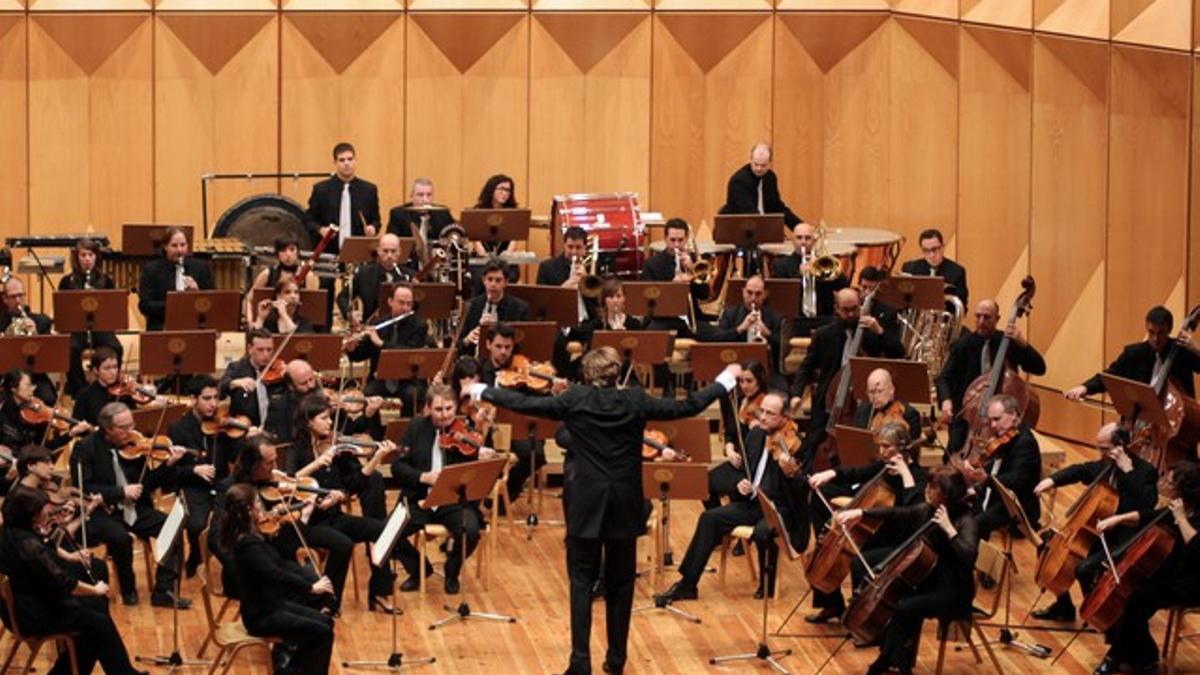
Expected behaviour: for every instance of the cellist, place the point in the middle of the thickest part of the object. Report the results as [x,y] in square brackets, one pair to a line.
[1177,584]
[949,589]
[1136,483]
[907,481]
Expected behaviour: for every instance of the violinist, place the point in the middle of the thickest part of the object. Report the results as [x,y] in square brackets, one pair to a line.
[752,387]
[905,479]
[107,386]
[299,380]
[882,407]
[244,383]
[370,278]
[196,473]
[281,313]
[313,453]
[493,306]
[768,471]
[749,321]
[18,319]
[85,275]
[1014,460]
[427,439]
[1136,483]
[16,429]
[1140,361]
[949,589]
[127,487]
[174,271]
[498,358]
[1176,584]
[266,582]
[410,332]
[972,354]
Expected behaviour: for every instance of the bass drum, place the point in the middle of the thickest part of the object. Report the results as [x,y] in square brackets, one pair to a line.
[261,219]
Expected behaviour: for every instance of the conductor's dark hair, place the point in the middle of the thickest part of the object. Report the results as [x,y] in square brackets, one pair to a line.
[485,194]
[932,233]
[677,224]
[343,147]
[1160,316]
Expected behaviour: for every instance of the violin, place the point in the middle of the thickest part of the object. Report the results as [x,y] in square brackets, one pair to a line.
[748,415]
[460,438]
[521,372]
[654,442]
[142,394]
[274,372]
[305,488]
[353,402]
[785,441]
[233,426]
[154,448]
[270,522]
[35,411]
[481,414]
[971,460]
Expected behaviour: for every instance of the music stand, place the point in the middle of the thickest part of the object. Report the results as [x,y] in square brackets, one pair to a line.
[166,542]
[176,353]
[460,484]
[144,240]
[496,225]
[381,552]
[710,358]
[911,379]
[36,353]
[536,428]
[1135,400]
[652,347]
[321,351]
[434,301]
[549,303]
[690,434]
[151,421]
[764,653]
[657,299]
[665,481]
[782,295]
[91,311]
[920,293]
[314,303]
[746,231]
[358,250]
[410,364]
[855,447]
[394,431]
[534,339]
[203,310]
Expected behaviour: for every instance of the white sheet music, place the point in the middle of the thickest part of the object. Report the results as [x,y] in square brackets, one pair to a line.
[169,532]
[387,539]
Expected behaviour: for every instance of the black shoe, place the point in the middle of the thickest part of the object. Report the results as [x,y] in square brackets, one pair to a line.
[191,567]
[863,644]
[451,586]
[986,582]
[738,549]
[826,615]
[169,599]
[129,599]
[377,603]
[610,668]
[1059,611]
[764,589]
[677,591]
[1107,667]
[410,584]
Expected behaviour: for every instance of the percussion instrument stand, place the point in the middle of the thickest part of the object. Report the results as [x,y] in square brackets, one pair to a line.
[174,661]
[764,651]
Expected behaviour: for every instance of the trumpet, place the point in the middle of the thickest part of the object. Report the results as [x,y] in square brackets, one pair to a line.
[755,333]
[19,326]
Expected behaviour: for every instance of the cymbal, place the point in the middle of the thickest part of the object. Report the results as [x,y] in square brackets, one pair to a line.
[426,207]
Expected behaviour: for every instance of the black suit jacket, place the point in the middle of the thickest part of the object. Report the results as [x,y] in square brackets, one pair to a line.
[726,329]
[368,282]
[158,278]
[510,308]
[824,358]
[1020,471]
[788,267]
[964,363]
[602,478]
[1136,490]
[419,438]
[186,431]
[401,222]
[1136,362]
[242,402]
[325,202]
[951,272]
[741,195]
[409,333]
[75,282]
[862,418]
[554,271]
[94,454]
[661,267]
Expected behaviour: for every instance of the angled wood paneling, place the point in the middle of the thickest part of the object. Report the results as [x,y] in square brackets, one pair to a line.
[1008,13]
[214,5]
[1157,23]
[14,217]
[343,5]
[832,5]
[944,9]
[1084,18]
[799,122]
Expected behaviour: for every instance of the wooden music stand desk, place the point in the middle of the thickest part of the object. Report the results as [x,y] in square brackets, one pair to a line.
[91,310]
[549,303]
[321,351]
[911,378]
[782,295]
[710,358]
[179,352]
[204,310]
[652,347]
[657,299]
[36,353]
[496,225]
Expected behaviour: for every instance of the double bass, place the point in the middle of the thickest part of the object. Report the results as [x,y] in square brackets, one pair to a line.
[1163,446]
[1072,542]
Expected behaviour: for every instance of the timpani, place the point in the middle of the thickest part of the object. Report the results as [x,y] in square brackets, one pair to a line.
[876,247]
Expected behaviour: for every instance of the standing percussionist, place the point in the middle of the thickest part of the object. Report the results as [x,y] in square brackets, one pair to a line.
[1142,361]
[796,266]
[934,263]
[602,485]
[343,201]
[971,355]
[754,188]
[403,218]
[86,275]
[174,271]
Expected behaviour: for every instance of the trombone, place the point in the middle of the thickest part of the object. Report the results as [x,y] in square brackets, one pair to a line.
[821,267]
[590,285]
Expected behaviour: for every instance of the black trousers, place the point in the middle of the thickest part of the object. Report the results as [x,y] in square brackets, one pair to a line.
[97,640]
[957,438]
[584,560]
[711,528]
[199,502]
[306,628]
[902,636]
[454,518]
[722,482]
[338,533]
[518,473]
[1130,638]
[111,530]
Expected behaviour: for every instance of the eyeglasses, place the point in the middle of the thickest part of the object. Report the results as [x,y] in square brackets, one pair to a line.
[931,249]
[15,295]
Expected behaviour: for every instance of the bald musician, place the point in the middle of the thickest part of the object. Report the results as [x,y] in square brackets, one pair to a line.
[754,188]
[882,407]
[795,266]
[369,279]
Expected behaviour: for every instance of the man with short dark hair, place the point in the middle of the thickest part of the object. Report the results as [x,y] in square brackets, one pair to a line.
[174,270]
[243,381]
[493,306]
[934,263]
[1141,361]
[343,201]
[203,466]
[565,269]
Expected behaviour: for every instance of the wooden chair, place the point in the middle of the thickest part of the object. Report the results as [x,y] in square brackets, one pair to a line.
[213,582]
[34,642]
[1174,634]
[746,534]
[434,532]
[992,562]
[230,637]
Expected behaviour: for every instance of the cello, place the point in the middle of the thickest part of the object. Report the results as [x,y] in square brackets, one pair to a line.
[1139,560]
[902,572]
[1001,379]
[835,550]
[1073,541]
[1164,446]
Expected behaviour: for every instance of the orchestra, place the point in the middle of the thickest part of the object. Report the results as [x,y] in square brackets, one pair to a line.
[289,455]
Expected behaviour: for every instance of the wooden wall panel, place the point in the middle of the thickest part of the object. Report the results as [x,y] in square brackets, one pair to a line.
[923,128]
[467,104]
[799,122]
[711,103]
[343,5]
[589,115]
[945,9]
[1158,23]
[1084,18]
[89,121]
[1008,13]
[343,80]
[14,215]
[1194,241]
[1069,207]
[1148,172]
[216,109]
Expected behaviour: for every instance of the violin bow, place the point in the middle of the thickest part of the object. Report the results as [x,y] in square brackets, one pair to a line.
[49,425]
[162,415]
[741,437]
[316,562]
[274,355]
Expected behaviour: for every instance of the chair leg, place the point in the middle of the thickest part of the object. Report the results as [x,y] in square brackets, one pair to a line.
[216,662]
[750,562]
[721,568]
[943,638]
[987,646]
[966,629]
[35,646]
[12,653]
[233,652]
[423,541]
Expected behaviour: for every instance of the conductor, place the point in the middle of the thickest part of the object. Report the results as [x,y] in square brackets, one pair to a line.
[602,485]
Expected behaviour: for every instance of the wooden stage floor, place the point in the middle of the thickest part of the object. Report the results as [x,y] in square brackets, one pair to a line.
[528,580]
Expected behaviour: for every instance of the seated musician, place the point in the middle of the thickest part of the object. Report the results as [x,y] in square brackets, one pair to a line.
[85,274]
[869,279]
[754,188]
[723,480]
[491,307]
[1132,648]
[401,219]
[499,192]
[243,384]
[609,314]
[48,600]
[498,357]
[770,474]
[906,479]
[198,471]
[749,321]
[418,470]
[18,393]
[299,380]
[343,202]
[265,581]
[675,263]
[19,319]
[315,453]
[174,271]
[1016,462]
[1141,360]
[410,332]
[565,269]
[881,406]
[127,487]
[1136,483]
[369,280]
[825,356]
[969,357]
[287,255]
[107,386]
[281,312]
[950,588]
[799,264]
[934,263]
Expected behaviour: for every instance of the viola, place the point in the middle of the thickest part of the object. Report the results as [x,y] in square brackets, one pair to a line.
[274,372]
[971,464]
[233,426]
[270,522]
[521,372]
[654,442]
[900,574]
[1136,563]
[35,411]
[835,550]
[128,387]
[353,402]
[460,438]
[304,488]
[785,441]
[748,415]
[1073,541]
[156,449]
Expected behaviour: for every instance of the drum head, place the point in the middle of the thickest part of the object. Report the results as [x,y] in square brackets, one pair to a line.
[261,219]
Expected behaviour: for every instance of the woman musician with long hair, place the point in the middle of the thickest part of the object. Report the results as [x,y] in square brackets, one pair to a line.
[281,313]
[85,275]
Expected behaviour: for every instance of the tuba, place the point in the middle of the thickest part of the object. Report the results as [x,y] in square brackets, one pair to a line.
[928,334]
